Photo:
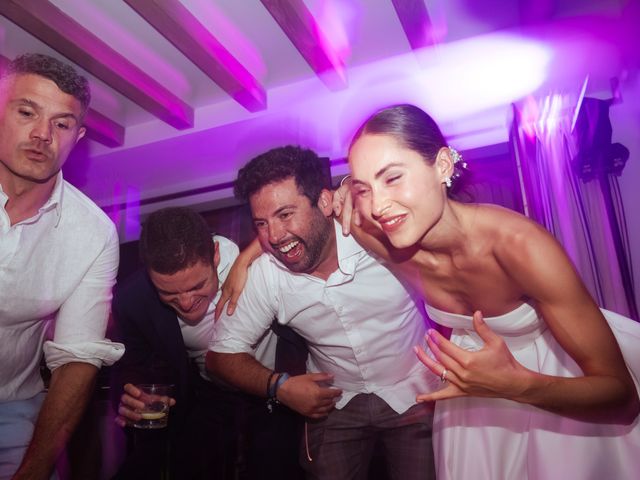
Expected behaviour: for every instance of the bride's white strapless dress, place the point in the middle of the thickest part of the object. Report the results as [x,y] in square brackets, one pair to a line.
[496,439]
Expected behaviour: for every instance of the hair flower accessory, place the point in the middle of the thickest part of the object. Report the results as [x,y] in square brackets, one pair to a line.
[458,166]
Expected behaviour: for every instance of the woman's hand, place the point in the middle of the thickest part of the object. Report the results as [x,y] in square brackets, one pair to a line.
[232,288]
[491,371]
[343,207]
[237,278]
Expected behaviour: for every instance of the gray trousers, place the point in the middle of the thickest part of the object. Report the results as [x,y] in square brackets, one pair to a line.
[341,446]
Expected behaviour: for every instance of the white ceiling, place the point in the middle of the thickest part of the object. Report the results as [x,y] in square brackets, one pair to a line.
[485,55]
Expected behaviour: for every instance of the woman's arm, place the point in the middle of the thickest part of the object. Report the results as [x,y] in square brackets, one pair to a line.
[237,278]
[539,266]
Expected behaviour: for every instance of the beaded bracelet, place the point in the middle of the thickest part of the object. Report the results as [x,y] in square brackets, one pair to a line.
[272,399]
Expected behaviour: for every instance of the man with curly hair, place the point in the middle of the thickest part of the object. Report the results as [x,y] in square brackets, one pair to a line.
[58,263]
[358,321]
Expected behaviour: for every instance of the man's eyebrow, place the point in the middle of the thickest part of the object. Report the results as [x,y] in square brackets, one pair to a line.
[197,286]
[36,106]
[277,212]
[284,207]
[26,101]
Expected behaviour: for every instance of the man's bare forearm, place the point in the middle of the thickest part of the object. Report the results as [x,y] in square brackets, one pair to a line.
[241,370]
[69,392]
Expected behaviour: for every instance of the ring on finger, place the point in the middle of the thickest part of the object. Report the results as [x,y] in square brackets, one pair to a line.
[443,375]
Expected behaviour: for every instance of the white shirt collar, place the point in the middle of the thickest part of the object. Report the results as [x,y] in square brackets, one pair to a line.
[55,200]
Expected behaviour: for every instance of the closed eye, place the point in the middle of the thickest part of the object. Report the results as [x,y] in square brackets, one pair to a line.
[360,192]
[393,179]
[199,286]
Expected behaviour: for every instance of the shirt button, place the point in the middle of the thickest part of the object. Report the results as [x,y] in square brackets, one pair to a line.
[358,351]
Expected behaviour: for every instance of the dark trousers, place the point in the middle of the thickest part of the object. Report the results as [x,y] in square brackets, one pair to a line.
[232,436]
[341,446]
[225,435]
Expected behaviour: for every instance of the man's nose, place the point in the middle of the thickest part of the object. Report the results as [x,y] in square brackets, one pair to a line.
[185,301]
[42,130]
[275,232]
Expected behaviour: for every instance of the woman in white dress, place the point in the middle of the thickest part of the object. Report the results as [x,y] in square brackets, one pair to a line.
[537,380]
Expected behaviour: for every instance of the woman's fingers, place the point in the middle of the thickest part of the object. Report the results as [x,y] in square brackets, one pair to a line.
[483,330]
[427,360]
[224,298]
[347,213]
[450,391]
[445,346]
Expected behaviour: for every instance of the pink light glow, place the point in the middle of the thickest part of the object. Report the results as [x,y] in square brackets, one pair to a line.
[529,115]
[477,74]
[336,19]
[105,24]
[541,118]
[214,20]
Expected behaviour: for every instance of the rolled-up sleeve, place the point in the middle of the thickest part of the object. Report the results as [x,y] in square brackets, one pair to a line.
[257,307]
[81,322]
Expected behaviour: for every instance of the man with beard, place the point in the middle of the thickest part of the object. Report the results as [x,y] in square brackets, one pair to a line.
[58,263]
[358,321]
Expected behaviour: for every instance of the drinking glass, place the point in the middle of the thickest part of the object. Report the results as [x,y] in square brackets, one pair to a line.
[156,405]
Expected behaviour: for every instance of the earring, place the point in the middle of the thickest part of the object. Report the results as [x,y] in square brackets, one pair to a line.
[447,182]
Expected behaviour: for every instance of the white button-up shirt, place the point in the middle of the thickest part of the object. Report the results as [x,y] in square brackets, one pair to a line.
[197,337]
[360,324]
[57,270]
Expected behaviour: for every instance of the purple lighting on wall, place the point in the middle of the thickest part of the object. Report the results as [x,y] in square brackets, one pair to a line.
[126,217]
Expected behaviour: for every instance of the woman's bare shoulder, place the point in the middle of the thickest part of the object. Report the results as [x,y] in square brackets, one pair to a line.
[513,238]
[504,223]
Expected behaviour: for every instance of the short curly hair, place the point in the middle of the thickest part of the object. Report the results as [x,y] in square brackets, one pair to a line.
[64,75]
[310,172]
[173,239]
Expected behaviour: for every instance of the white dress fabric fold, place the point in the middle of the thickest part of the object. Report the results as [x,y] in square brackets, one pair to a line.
[495,439]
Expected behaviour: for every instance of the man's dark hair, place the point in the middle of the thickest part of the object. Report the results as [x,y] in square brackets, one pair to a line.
[307,169]
[64,75]
[173,239]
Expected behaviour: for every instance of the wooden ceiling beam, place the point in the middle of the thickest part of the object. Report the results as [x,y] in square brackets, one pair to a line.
[416,23]
[303,31]
[103,130]
[99,128]
[178,25]
[48,23]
